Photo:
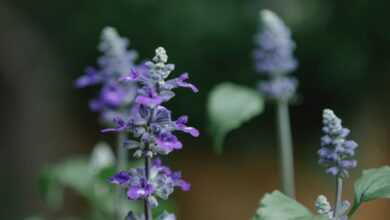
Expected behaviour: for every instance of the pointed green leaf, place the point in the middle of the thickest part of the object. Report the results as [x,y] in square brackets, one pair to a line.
[229,106]
[373,184]
[277,206]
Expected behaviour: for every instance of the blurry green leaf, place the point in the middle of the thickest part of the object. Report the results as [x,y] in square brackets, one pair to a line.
[87,176]
[229,106]
[277,206]
[102,157]
[373,184]
[73,173]
[50,188]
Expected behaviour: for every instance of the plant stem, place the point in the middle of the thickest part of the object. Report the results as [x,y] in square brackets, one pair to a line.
[285,149]
[147,208]
[122,152]
[339,194]
[121,165]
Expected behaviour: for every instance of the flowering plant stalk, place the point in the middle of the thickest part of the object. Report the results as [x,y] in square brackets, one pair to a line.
[335,154]
[152,129]
[274,58]
[114,99]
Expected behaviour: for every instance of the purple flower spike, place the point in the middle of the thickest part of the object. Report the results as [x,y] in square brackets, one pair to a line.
[274,57]
[336,152]
[152,128]
[116,61]
[274,53]
[121,178]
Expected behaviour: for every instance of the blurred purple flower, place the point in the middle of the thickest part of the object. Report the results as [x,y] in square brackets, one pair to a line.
[115,62]
[274,52]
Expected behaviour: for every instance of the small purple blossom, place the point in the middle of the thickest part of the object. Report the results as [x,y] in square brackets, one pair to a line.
[336,152]
[274,52]
[167,142]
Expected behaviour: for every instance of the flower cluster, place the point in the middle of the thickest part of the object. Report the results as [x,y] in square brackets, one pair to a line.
[336,151]
[324,208]
[161,182]
[116,61]
[148,120]
[153,131]
[274,57]
[274,53]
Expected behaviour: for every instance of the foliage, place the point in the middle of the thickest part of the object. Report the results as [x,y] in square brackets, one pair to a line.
[373,184]
[86,177]
[228,107]
[277,206]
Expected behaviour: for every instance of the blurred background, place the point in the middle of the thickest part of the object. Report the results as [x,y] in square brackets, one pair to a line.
[342,47]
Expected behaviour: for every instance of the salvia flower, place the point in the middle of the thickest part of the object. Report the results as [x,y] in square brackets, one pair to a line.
[336,152]
[153,129]
[161,183]
[115,62]
[148,120]
[273,56]
[274,52]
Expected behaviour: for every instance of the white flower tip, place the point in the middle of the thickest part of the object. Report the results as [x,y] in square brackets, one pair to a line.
[161,55]
[328,113]
[109,32]
[273,21]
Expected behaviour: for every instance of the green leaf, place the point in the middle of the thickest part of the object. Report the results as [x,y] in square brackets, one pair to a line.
[87,176]
[277,206]
[229,106]
[102,157]
[373,184]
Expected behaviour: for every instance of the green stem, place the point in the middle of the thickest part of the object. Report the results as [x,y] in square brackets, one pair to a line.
[122,152]
[285,149]
[122,161]
[354,208]
[147,207]
[339,194]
